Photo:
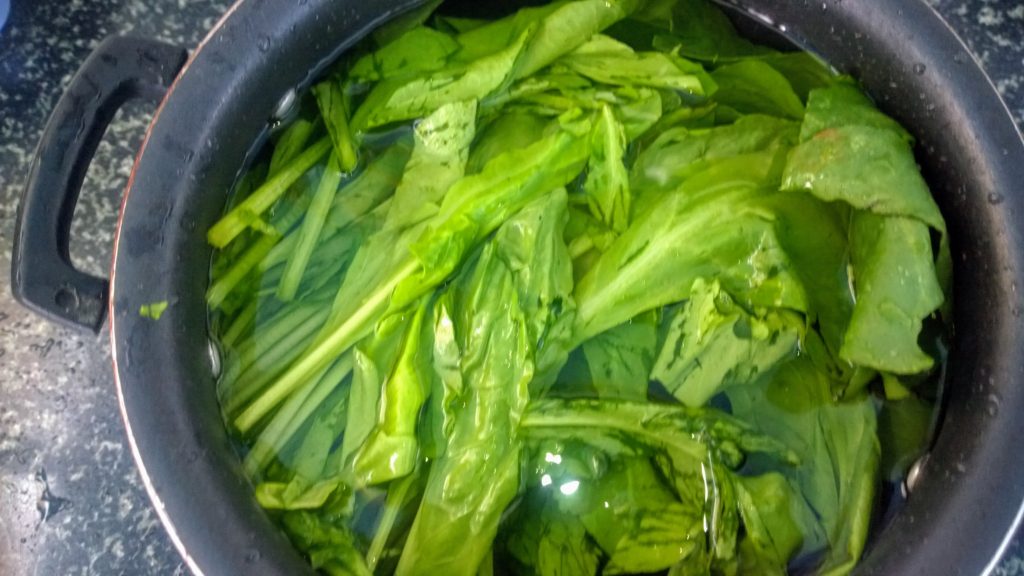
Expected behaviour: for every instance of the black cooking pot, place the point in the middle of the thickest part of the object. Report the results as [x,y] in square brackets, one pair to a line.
[967,498]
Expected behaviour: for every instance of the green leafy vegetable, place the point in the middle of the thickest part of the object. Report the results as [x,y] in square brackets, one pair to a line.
[598,287]
[712,343]
[620,360]
[470,485]
[607,185]
[711,225]
[249,210]
[154,310]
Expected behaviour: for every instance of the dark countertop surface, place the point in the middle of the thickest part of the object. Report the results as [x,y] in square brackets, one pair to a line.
[71,501]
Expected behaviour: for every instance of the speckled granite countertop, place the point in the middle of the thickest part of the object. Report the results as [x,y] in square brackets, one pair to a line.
[70,499]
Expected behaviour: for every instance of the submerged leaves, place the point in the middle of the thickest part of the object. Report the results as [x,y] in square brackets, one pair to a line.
[599,287]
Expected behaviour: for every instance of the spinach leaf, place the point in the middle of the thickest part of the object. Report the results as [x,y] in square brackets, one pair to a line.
[868,168]
[470,485]
[404,24]
[373,361]
[417,51]
[679,153]
[532,247]
[438,160]
[713,343]
[620,359]
[637,520]
[607,185]
[509,131]
[396,99]
[853,153]
[804,71]
[549,542]
[513,309]
[476,205]
[815,236]
[329,544]
[698,29]
[754,87]
[446,385]
[568,27]
[607,61]
[678,429]
[843,104]
[772,535]
[709,227]
[838,455]
[896,287]
[391,450]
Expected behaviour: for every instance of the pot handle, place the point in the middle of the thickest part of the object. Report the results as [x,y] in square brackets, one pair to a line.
[43,277]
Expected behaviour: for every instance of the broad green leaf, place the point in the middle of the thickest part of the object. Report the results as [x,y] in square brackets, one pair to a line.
[838,456]
[438,160]
[396,28]
[868,168]
[606,61]
[713,343]
[391,450]
[637,109]
[896,288]
[458,25]
[548,541]
[841,104]
[472,209]
[679,153]
[607,184]
[470,485]
[620,359]
[709,227]
[491,37]
[531,245]
[805,71]
[507,132]
[397,99]
[904,431]
[419,51]
[584,233]
[478,204]
[447,386]
[815,236]
[331,546]
[772,535]
[638,522]
[373,362]
[697,28]
[567,28]
[754,87]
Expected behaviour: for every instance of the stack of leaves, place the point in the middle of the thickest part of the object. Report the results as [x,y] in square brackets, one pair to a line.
[596,287]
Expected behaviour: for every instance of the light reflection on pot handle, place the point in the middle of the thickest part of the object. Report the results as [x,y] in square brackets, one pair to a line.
[43,277]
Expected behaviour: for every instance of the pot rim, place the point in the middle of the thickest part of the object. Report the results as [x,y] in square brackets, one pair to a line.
[154,496]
